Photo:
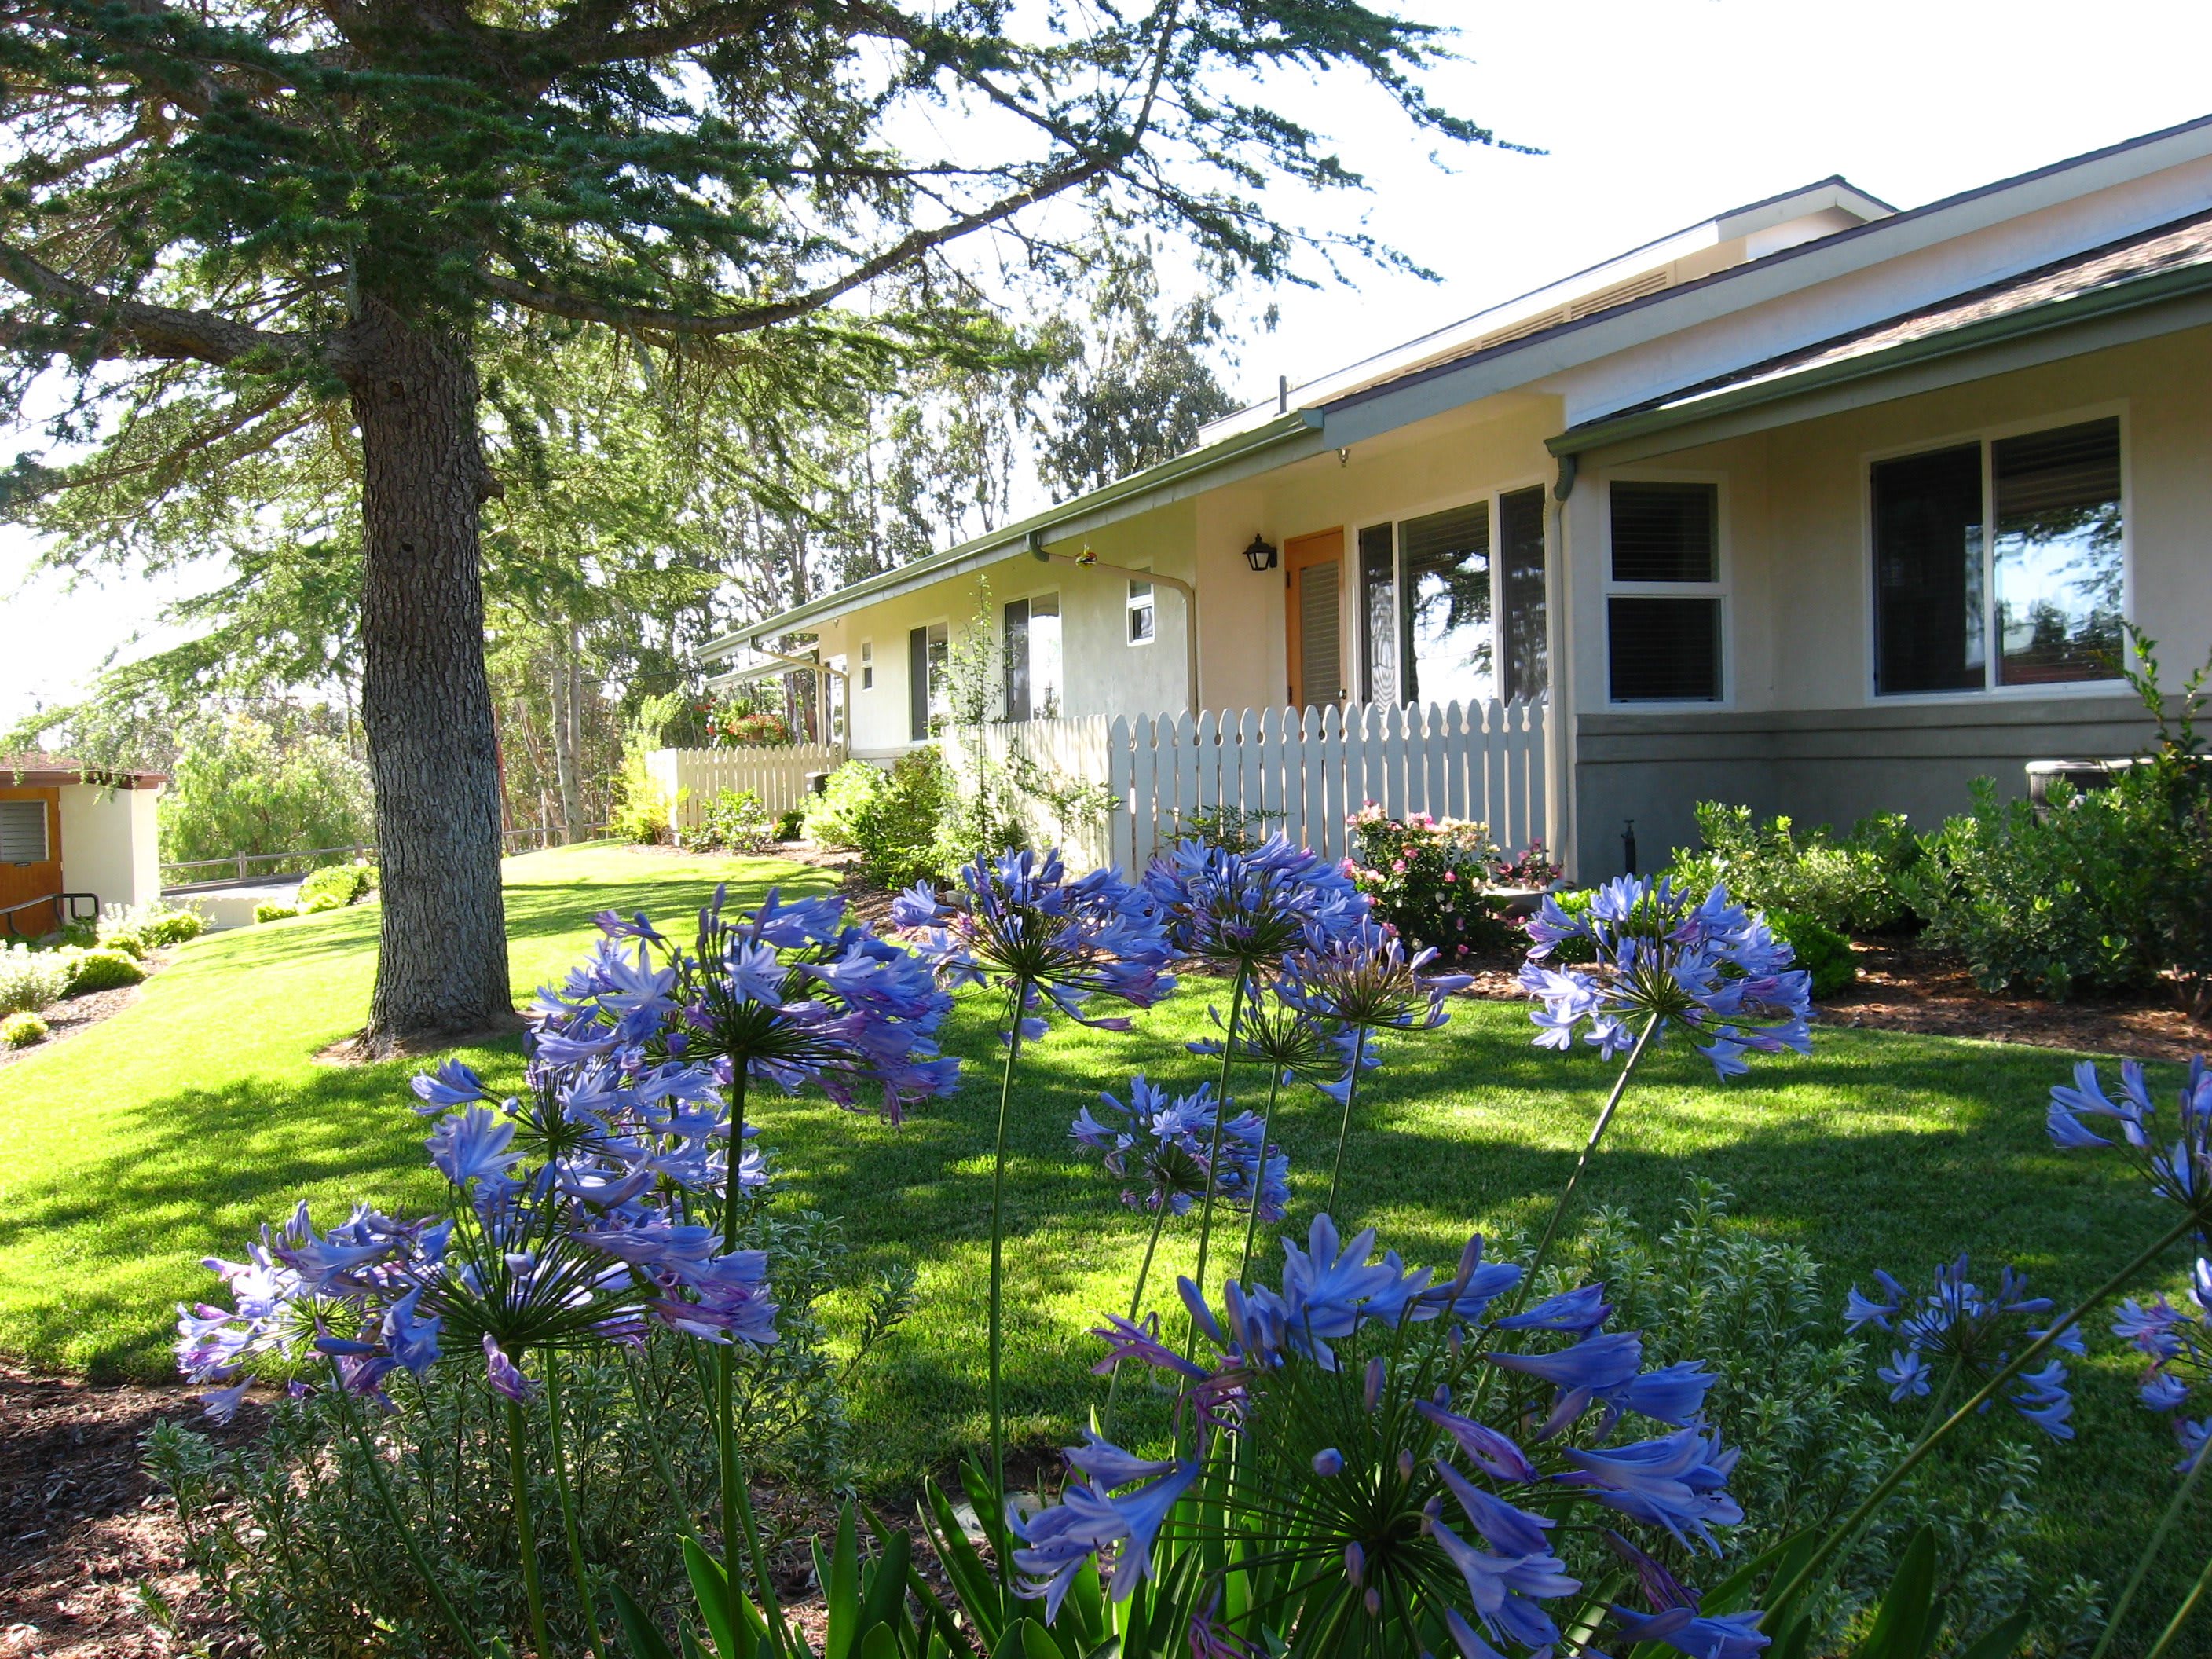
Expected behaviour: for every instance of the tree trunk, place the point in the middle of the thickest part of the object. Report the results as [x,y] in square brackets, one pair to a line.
[564,737]
[426,702]
[572,810]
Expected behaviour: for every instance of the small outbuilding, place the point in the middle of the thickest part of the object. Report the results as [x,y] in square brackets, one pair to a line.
[72,838]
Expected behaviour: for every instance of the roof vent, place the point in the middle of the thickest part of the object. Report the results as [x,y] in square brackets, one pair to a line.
[1620,293]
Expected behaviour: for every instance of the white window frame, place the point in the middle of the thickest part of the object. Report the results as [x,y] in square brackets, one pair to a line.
[1723,588]
[1030,598]
[1491,499]
[868,665]
[1148,601]
[1987,436]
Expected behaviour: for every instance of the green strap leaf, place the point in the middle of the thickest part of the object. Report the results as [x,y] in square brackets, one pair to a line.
[1904,1626]
[2001,1640]
[645,1640]
[841,1587]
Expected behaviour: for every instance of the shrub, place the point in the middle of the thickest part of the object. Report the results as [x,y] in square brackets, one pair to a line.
[833,814]
[1794,1393]
[158,922]
[339,884]
[271,910]
[734,821]
[1849,884]
[21,1030]
[264,783]
[98,970]
[892,819]
[1426,877]
[128,940]
[789,825]
[1234,829]
[317,905]
[31,980]
[1821,950]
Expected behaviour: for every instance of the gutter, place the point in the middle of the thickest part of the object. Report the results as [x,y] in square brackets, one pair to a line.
[2051,315]
[1085,561]
[999,543]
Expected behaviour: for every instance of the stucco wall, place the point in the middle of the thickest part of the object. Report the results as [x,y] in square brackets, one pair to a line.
[1801,730]
[110,843]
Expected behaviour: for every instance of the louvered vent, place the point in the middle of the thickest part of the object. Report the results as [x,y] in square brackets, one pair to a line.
[1522,330]
[1619,295]
[23,832]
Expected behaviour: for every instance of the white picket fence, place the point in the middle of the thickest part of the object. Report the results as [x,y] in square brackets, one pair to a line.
[693,777]
[1304,772]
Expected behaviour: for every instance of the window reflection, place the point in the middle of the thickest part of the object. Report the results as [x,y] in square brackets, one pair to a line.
[2059,565]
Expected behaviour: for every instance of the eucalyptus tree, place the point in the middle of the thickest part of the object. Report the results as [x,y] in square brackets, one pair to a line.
[234,218]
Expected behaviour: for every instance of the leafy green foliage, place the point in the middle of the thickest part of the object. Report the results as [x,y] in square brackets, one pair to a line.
[274,910]
[733,822]
[1233,829]
[900,829]
[1821,950]
[1796,1395]
[128,940]
[157,922]
[832,815]
[98,970]
[337,886]
[1849,884]
[271,782]
[21,1030]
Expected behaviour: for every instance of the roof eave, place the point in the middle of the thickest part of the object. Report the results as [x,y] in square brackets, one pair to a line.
[2063,312]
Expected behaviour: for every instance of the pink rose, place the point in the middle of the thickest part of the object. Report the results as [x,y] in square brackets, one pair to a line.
[1398,865]
[1452,875]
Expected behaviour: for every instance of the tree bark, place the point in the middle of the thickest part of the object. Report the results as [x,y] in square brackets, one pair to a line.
[426,701]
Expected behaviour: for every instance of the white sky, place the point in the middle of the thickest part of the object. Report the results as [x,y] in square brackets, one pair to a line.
[1655,114]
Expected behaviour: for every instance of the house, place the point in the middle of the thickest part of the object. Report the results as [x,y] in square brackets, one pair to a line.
[1818,506]
[72,839]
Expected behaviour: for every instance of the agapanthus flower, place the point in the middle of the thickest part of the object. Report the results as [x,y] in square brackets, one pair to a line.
[1165,1146]
[1021,922]
[2177,1338]
[786,994]
[1294,1045]
[2178,1170]
[1961,1335]
[1362,978]
[1400,1455]
[1242,911]
[531,1260]
[1663,954]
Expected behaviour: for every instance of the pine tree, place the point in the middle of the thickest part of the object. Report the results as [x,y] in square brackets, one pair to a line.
[236,219]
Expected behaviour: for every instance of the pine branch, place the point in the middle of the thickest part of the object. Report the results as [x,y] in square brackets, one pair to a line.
[114,327]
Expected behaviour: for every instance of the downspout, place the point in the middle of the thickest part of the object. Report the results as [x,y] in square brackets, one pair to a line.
[815,665]
[1559,803]
[1086,562]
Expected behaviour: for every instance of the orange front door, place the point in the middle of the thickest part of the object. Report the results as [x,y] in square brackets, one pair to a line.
[22,878]
[1313,568]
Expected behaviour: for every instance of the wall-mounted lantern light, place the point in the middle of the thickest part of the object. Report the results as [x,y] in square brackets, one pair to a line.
[1260,555]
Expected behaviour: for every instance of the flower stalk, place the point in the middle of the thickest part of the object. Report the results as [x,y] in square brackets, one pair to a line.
[1344,1129]
[526,1533]
[1018,1003]
[2174,1509]
[568,1507]
[1213,1158]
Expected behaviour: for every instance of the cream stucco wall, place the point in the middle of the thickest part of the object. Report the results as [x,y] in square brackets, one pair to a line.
[1800,729]
[111,843]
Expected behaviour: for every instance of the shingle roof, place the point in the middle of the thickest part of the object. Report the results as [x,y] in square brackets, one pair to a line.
[2172,246]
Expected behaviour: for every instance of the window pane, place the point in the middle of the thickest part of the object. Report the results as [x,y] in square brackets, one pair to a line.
[1664,649]
[1018,660]
[1378,615]
[917,684]
[1446,624]
[1520,580]
[1047,688]
[1140,612]
[1666,532]
[940,657]
[1928,572]
[2058,567]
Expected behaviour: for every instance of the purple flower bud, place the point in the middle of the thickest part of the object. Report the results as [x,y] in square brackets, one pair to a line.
[1355,1563]
[1406,1465]
[1373,1394]
[1329,1464]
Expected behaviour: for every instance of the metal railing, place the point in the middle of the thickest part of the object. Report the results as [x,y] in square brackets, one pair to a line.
[8,929]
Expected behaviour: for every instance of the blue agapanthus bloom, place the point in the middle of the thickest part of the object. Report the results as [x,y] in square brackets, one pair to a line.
[2178,1340]
[1664,954]
[583,1248]
[1164,1147]
[1407,1459]
[1242,911]
[1362,978]
[1958,1336]
[2180,1170]
[1021,922]
[788,993]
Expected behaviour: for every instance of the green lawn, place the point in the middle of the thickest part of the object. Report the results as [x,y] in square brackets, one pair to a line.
[174,1129]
